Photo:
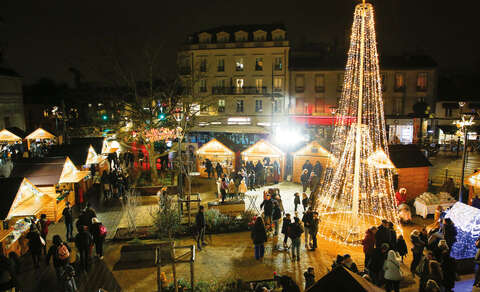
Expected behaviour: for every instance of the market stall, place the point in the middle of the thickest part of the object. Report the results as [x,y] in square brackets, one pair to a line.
[313,152]
[10,135]
[262,151]
[427,203]
[411,169]
[216,152]
[20,202]
[473,181]
[99,161]
[110,146]
[39,135]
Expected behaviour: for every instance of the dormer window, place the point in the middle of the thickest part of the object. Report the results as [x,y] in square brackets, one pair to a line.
[278,35]
[204,38]
[260,35]
[223,37]
[241,36]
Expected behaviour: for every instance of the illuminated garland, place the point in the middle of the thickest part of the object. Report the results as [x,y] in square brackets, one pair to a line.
[357,190]
[160,134]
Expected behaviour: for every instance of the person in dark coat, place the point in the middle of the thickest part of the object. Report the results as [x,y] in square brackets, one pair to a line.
[223,189]
[68,218]
[219,170]
[318,169]
[208,167]
[84,242]
[82,221]
[267,206]
[393,236]
[449,270]
[307,221]
[35,245]
[295,232]
[286,223]
[375,266]
[308,166]
[287,284]
[259,174]
[313,229]
[305,201]
[200,226]
[383,234]
[98,237]
[449,232]
[42,226]
[309,277]
[259,237]
[368,243]
[90,214]
[417,250]
[276,216]
[350,264]
[53,252]
[401,247]
[304,179]
[296,200]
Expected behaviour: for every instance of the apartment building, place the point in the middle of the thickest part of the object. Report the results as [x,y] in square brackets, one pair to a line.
[316,86]
[11,99]
[240,76]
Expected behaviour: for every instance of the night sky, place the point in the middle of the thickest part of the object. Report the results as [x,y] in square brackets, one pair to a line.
[45,38]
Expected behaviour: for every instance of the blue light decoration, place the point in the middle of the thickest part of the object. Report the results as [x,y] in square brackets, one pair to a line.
[467,221]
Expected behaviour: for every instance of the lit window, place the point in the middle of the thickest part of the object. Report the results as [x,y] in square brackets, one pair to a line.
[277,84]
[221,105]
[278,63]
[259,85]
[258,106]
[319,83]
[239,64]
[221,65]
[259,64]
[299,83]
[240,106]
[399,81]
[422,81]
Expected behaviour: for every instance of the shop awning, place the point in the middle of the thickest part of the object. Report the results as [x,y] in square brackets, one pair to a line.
[40,134]
[448,129]
[7,136]
[71,174]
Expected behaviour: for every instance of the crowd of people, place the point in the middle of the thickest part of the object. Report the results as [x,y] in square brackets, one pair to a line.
[90,232]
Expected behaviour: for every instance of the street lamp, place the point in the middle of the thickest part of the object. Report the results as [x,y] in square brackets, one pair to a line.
[462,125]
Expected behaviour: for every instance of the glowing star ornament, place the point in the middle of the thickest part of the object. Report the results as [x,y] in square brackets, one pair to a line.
[357,190]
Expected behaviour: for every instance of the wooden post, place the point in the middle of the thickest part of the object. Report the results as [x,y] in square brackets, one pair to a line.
[159,266]
[192,266]
[174,270]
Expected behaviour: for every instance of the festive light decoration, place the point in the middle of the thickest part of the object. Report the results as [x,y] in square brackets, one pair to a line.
[474,180]
[93,157]
[467,221]
[161,134]
[357,190]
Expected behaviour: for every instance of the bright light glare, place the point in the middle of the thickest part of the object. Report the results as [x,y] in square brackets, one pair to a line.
[289,136]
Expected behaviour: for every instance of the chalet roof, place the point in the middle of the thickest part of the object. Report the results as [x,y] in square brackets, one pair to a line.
[9,188]
[42,172]
[406,156]
[341,279]
[17,131]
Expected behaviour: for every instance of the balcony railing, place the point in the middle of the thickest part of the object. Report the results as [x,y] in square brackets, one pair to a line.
[239,90]
[319,89]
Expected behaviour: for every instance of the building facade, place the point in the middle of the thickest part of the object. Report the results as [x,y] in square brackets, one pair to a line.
[239,77]
[316,86]
[11,100]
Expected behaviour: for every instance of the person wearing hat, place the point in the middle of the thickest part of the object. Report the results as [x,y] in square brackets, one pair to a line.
[401,196]
[68,218]
[98,236]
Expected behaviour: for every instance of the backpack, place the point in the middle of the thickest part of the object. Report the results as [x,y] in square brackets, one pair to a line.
[62,252]
[102,230]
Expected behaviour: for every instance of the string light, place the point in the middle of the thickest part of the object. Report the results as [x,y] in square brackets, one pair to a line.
[357,190]
[467,222]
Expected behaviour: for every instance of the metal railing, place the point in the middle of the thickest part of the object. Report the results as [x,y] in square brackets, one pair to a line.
[239,90]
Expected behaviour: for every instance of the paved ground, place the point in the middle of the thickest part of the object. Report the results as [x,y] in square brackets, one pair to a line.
[446,163]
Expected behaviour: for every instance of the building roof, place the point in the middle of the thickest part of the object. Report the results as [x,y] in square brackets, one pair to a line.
[317,62]
[8,72]
[231,29]
[406,156]
[96,142]
[341,279]
[9,188]
[42,172]
[17,131]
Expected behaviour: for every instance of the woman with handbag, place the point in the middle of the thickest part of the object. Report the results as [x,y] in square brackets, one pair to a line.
[392,272]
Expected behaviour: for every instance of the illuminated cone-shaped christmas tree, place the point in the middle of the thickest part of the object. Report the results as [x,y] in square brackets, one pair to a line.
[357,190]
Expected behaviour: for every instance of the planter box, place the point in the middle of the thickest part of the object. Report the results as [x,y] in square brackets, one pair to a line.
[135,256]
[233,208]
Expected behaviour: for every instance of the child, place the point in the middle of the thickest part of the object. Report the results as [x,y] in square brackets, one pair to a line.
[296,200]
[309,277]
[401,247]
